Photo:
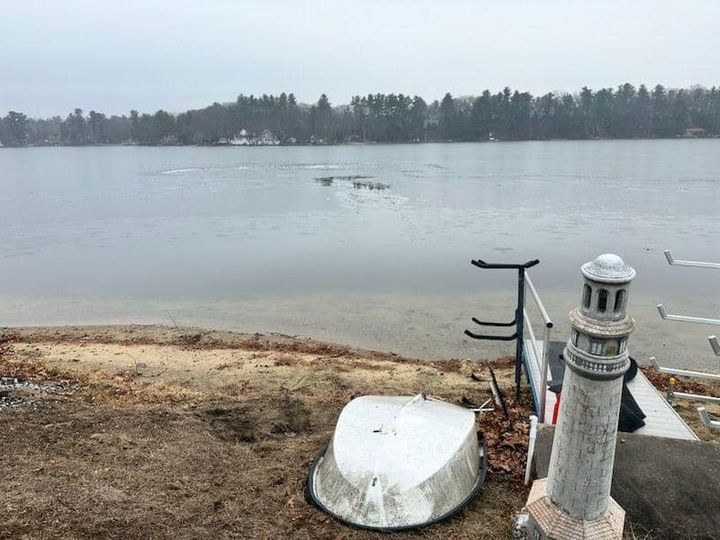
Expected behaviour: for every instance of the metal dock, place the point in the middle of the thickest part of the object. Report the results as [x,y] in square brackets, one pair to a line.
[661,420]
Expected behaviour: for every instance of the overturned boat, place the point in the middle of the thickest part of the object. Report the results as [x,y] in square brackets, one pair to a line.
[398,462]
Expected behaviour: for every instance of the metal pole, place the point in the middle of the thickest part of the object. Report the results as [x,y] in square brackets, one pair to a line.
[520,334]
[697,264]
[692,397]
[705,418]
[684,318]
[518,322]
[715,344]
[543,375]
[546,347]
[538,302]
[531,447]
[683,372]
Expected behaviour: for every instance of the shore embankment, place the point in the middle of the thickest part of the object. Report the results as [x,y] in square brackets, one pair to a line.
[150,431]
[165,432]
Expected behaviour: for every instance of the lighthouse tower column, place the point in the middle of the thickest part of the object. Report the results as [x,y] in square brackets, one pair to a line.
[574,501]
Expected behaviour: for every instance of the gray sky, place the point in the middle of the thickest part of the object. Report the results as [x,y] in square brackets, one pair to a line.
[114,55]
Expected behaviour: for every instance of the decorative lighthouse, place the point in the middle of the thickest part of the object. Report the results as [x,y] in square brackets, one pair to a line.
[574,500]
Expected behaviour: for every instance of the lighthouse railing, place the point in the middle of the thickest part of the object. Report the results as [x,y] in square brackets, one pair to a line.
[541,356]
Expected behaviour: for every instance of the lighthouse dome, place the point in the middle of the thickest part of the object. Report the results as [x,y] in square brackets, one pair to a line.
[608,268]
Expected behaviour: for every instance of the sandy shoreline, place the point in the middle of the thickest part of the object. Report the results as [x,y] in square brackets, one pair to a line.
[419,326]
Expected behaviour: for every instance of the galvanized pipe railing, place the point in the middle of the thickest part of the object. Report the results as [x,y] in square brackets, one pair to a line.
[545,357]
[684,318]
[692,397]
[531,335]
[714,344]
[712,424]
[705,418]
[696,264]
[683,372]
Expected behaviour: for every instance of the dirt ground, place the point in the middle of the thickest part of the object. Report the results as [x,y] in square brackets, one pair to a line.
[156,432]
[153,432]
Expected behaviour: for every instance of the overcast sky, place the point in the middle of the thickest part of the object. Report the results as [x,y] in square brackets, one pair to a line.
[115,55]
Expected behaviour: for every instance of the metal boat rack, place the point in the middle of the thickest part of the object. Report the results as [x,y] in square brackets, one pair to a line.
[536,363]
[714,344]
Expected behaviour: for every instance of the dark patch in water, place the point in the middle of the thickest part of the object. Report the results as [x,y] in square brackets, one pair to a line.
[330,180]
[370,185]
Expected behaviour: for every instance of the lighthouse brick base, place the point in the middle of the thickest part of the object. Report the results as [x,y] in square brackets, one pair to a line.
[547,522]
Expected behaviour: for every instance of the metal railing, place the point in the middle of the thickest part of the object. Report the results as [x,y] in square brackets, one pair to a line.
[696,264]
[692,397]
[684,372]
[543,356]
[714,344]
[684,318]
[518,321]
[705,418]
[522,326]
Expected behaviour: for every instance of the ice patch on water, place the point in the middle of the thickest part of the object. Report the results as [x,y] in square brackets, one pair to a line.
[179,171]
[207,169]
[320,166]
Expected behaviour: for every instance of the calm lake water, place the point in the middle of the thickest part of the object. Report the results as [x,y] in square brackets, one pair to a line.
[294,240]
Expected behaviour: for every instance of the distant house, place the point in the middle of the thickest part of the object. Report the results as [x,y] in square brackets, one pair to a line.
[694,132]
[242,139]
[267,138]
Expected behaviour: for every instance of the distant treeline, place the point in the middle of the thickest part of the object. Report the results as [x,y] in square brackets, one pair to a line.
[626,112]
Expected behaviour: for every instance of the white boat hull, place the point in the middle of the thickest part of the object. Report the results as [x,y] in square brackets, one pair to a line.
[398,462]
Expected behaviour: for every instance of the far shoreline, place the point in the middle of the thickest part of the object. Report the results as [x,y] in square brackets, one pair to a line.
[355,143]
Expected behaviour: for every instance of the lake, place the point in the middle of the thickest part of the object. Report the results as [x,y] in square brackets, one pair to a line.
[363,245]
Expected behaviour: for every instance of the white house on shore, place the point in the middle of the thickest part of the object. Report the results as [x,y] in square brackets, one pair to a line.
[243,138]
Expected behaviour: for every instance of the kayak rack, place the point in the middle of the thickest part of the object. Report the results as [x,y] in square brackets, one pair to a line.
[714,344]
[519,322]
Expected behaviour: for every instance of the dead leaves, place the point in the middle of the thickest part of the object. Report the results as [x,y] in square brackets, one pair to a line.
[506,441]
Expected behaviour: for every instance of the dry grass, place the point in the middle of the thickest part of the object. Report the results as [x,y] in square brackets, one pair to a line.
[173,433]
[210,435]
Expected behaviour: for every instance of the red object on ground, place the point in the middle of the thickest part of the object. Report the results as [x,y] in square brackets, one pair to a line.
[556,408]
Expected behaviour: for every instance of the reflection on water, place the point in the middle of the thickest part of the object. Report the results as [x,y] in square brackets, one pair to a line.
[368,245]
